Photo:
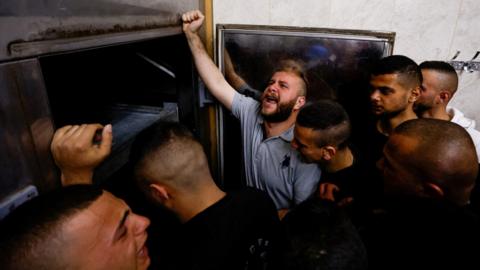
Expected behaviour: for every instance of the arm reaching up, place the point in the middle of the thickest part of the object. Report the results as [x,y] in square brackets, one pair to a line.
[235,80]
[209,72]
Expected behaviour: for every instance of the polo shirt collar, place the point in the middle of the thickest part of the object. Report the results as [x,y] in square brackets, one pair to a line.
[286,136]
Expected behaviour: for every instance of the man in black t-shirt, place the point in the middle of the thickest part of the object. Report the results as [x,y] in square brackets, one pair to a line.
[321,136]
[395,84]
[219,231]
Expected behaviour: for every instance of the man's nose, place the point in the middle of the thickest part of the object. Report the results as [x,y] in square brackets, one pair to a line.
[374,95]
[273,87]
[142,223]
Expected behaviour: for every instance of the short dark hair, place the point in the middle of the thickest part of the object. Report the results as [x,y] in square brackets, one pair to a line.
[408,71]
[438,65]
[444,155]
[321,236]
[154,137]
[450,83]
[30,237]
[330,118]
[177,156]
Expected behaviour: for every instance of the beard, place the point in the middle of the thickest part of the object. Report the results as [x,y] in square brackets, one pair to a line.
[420,108]
[284,110]
[393,113]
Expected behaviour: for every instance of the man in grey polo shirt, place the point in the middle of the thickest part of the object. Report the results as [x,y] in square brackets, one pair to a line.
[267,127]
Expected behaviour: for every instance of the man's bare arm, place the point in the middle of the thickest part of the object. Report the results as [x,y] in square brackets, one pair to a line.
[235,80]
[209,72]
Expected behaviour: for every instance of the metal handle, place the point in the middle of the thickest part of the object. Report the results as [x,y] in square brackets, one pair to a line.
[456,55]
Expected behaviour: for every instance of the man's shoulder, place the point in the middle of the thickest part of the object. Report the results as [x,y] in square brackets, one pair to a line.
[249,196]
[240,100]
[459,118]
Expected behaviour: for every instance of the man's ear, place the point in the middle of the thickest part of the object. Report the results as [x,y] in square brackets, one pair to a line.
[444,96]
[159,192]
[328,152]
[433,190]
[414,94]
[300,102]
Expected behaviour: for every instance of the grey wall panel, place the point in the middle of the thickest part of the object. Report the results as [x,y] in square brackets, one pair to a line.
[19,165]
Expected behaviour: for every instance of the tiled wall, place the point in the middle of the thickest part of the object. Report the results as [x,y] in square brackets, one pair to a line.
[425,29]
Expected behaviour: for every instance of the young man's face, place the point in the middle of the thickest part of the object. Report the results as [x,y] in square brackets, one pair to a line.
[388,96]
[107,235]
[304,143]
[280,97]
[429,93]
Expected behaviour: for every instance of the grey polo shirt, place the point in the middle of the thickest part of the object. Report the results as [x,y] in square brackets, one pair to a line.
[272,164]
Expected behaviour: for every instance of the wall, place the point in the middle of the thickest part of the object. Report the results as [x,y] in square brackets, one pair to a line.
[425,29]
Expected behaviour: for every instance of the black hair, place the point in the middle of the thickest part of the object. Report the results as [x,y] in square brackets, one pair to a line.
[27,234]
[409,72]
[438,66]
[322,237]
[154,137]
[330,118]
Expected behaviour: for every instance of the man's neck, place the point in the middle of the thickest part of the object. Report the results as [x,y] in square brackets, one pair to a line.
[437,113]
[191,204]
[276,129]
[342,159]
[387,125]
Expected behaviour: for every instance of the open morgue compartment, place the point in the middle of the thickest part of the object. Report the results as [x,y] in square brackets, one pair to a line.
[119,62]
[130,86]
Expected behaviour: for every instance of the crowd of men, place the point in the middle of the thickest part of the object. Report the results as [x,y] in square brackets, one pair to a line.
[403,197]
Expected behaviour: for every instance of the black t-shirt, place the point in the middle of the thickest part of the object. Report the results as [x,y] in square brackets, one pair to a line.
[351,180]
[423,233]
[360,181]
[241,231]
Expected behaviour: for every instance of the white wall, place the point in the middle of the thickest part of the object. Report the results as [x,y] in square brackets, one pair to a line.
[425,29]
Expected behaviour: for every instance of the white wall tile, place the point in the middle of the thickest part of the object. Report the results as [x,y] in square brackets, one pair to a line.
[467,41]
[425,28]
[306,13]
[467,33]
[362,14]
[467,98]
[241,12]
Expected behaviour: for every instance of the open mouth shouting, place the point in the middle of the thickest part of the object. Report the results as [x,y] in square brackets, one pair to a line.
[143,257]
[270,99]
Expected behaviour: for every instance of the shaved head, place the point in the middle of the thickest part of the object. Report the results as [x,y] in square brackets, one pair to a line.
[168,153]
[439,152]
[446,77]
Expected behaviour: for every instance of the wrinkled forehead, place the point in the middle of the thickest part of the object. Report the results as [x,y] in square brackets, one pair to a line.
[287,76]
